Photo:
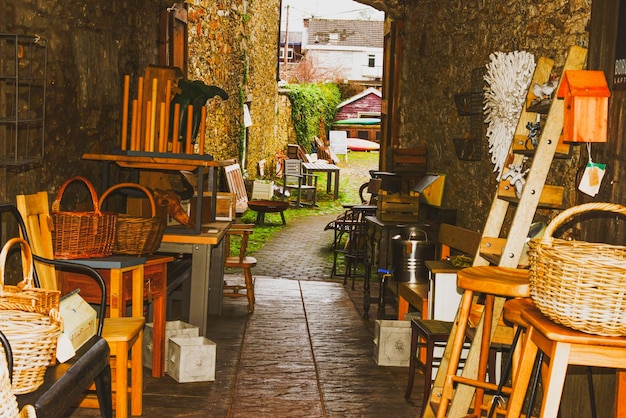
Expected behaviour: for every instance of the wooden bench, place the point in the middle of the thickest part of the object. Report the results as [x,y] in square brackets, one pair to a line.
[451,240]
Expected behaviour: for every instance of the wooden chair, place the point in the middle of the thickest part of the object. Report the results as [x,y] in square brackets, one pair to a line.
[65,383]
[240,261]
[354,248]
[295,179]
[234,178]
[122,334]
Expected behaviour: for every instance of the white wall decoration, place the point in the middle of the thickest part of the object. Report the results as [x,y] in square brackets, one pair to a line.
[508,77]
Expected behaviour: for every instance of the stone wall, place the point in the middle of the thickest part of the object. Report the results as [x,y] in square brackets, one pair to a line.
[233,44]
[90,46]
[444,41]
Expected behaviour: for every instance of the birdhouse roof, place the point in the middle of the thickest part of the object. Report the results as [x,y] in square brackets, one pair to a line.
[585,83]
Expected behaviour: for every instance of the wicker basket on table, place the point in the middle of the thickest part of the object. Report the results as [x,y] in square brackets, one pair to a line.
[581,285]
[137,235]
[82,234]
[30,319]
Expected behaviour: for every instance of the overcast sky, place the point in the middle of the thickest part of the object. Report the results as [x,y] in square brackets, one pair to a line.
[325,9]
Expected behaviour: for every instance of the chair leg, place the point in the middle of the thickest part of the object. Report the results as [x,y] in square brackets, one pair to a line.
[121,377]
[249,289]
[136,377]
[103,391]
[412,361]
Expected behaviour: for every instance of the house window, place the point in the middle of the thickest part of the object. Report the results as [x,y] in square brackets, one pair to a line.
[281,53]
[371,60]
[333,37]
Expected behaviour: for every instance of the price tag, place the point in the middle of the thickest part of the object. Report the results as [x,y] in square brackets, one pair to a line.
[592,178]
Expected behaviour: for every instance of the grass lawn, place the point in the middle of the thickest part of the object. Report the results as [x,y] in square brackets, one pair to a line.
[353,174]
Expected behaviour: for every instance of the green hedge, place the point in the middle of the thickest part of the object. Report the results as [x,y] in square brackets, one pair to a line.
[313,108]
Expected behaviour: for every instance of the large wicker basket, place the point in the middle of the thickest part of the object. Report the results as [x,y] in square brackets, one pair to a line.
[137,235]
[581,285]
[82,234]
[32,332]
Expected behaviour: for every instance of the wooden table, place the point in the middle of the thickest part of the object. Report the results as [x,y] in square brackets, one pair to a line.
[166,161]
[207,269]
[324,167]
[121,274]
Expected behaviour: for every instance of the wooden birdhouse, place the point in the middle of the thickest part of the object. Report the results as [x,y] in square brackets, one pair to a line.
[586,96]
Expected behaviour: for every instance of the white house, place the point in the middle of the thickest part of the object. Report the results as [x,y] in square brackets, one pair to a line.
[352,49]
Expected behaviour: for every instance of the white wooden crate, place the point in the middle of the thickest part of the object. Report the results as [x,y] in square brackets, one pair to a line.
[191,359]
[263,190]
[172,329]
[392,343]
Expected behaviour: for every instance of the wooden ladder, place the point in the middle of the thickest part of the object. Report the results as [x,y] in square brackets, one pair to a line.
[506,252]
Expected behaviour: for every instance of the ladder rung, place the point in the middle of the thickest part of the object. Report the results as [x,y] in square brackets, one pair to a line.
[552,197]
[521,145]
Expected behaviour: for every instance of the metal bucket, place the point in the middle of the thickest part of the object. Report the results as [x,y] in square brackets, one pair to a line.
[409,252]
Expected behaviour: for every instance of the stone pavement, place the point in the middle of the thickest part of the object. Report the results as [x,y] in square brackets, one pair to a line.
[305,352]
[299,251]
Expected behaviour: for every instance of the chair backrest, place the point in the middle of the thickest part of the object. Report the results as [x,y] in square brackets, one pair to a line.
[293,167]
[234,178]
[243,231]
[35,212]
[457,238]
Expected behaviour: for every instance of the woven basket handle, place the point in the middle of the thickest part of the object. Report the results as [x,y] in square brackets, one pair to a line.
[131,185]
[576,210]
[27,264]
[56,205]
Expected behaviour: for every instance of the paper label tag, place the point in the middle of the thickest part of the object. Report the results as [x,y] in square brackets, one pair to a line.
[65,350]
[592,178]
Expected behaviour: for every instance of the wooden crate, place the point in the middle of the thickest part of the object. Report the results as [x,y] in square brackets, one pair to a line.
[397,207]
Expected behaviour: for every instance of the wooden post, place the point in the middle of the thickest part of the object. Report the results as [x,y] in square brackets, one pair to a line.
[162,133]
[146,144]
[188,148]
[175,138]
[168,101]
[125,112]
[153,121]
[200,138]
[133,127]
[139,111]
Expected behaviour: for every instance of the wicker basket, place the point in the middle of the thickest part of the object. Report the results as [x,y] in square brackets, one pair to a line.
[581,285]
[82,234]
[25,297]
[33,333]
[8,402]
[137,235]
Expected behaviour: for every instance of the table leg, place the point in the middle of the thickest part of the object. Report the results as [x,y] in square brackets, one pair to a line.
[116,301]
[282,216]
[158,332]
[199,297]
[336,184]
[137,286]
[329,176]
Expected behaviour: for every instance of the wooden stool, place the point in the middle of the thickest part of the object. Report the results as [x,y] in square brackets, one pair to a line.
[116,334]
[564,346]
[491,281]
